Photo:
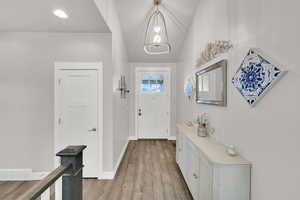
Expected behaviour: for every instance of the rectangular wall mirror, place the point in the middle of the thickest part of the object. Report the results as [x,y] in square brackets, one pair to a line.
[211,84]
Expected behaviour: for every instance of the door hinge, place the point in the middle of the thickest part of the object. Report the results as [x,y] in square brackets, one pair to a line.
[59,81]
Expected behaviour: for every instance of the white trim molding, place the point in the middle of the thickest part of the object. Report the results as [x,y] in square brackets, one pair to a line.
[109,175]
[172,138]
[21,175]
[132,138]
[121,156]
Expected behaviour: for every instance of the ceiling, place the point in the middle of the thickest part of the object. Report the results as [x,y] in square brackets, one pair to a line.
[36,16]
[134,15]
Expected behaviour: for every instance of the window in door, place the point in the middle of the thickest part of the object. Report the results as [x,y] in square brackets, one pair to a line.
[152,83]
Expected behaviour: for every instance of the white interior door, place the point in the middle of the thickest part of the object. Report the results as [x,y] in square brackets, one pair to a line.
[78,115]
[153,104]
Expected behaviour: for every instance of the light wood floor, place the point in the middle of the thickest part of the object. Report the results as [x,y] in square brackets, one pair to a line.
[147,172]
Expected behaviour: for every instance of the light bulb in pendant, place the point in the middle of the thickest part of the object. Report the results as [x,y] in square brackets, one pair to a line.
[157,39]
[157,29]
[60,13]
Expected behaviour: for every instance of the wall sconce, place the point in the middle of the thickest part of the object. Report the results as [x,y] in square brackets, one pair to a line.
[123,87]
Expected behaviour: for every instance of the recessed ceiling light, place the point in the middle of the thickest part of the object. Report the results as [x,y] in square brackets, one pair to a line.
[60,13]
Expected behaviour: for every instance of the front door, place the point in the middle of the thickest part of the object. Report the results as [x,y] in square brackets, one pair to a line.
[152,104]
[78,115]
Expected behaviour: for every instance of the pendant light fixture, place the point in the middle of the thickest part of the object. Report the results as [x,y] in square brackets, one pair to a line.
[156,38]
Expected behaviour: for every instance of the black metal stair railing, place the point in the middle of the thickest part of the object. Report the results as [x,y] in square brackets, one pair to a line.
[71,172]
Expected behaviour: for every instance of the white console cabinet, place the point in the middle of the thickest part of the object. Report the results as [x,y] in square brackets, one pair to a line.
[210,173]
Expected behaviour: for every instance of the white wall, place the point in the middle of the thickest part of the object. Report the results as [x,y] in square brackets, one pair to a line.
[133,67]
[27,91]
[268,134]
[26,82]
[120,123]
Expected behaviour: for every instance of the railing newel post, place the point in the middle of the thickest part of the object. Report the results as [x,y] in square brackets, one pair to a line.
[72,178]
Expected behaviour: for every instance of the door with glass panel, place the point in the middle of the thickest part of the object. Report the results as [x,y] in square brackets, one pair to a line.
[152,104]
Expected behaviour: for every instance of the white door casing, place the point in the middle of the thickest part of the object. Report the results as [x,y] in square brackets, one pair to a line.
[79,112]
[152,109]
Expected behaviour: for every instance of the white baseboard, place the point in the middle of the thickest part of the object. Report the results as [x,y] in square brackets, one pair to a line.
[168,138]
[46,195]
[109,175]
[159,138]
[132,138]
[121,157]
[21,175]
[172,138]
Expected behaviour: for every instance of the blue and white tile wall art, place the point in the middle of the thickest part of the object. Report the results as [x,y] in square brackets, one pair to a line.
[256,75]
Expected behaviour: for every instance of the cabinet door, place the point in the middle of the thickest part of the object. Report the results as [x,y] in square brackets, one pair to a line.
[192,169]
[194,175]
[185,158]
[179,150]
[206,180]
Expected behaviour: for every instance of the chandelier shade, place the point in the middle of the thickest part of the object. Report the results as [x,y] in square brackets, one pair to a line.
[156,38]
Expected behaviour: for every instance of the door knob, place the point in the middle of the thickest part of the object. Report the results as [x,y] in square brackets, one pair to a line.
[92,130]
[195,176]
